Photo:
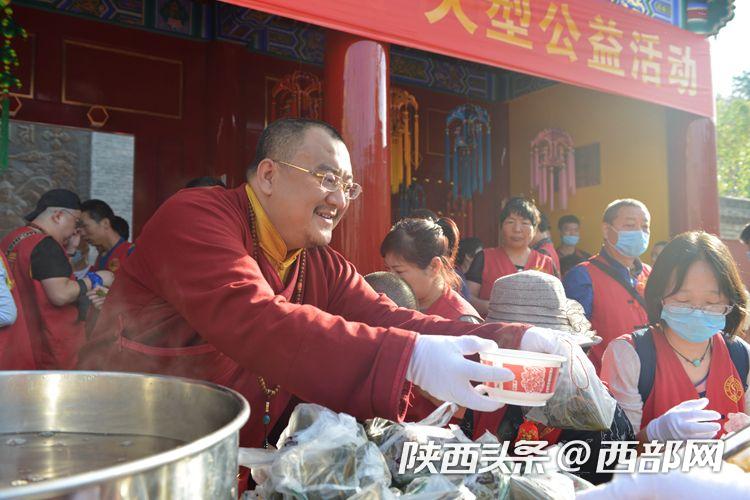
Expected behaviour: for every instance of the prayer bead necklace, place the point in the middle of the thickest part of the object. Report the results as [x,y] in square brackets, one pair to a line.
[296,298]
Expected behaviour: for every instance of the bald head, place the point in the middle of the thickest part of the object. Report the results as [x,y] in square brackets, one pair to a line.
[393,287]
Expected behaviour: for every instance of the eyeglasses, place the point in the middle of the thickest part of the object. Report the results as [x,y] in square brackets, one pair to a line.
[712,309]
[77,219]
[330,181]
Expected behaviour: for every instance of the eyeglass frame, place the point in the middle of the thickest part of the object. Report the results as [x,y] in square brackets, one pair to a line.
[78,221]
[728,308]
[339,180]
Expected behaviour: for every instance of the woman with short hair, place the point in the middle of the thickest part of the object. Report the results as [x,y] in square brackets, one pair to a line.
[518,221]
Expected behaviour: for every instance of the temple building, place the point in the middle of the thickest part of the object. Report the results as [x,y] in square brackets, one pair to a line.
[451,105]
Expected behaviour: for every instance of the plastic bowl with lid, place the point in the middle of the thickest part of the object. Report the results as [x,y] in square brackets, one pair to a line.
[536,376]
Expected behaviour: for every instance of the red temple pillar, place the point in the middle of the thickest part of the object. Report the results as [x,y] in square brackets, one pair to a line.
[693,188]
[356,90]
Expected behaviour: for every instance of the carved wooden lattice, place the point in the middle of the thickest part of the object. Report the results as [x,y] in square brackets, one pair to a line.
[297,95]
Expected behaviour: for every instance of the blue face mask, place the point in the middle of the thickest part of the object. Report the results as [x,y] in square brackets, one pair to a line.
[570,240]
[632,243]
[696,326]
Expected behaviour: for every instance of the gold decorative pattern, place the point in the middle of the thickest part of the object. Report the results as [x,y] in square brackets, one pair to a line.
[733,388]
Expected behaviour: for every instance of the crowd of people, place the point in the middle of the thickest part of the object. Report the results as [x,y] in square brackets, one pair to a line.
[239,287]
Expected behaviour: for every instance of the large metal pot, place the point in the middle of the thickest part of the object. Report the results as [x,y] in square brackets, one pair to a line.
[91,435]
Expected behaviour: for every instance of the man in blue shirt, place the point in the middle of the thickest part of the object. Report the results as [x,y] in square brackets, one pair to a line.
[610,285]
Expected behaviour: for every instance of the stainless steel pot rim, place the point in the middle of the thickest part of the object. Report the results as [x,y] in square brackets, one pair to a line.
[137,466]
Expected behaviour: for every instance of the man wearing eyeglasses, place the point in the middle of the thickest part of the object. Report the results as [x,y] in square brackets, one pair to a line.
[278,315]
[38,257]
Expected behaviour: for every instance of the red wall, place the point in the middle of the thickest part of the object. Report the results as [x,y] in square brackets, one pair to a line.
[195,108]
[220,87]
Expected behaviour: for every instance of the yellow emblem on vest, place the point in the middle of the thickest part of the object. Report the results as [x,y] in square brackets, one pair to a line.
[733,388]
[114,265]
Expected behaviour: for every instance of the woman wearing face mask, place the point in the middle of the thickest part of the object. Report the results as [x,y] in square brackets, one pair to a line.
[422,253]
[686,374]
[518,221]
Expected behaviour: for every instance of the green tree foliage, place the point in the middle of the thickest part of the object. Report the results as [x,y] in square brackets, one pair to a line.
[741,85]
[733,139]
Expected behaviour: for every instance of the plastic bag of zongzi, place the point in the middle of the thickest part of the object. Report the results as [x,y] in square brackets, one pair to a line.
[552,486]
[436,487]
[581,401]
[322,455]
[391,437]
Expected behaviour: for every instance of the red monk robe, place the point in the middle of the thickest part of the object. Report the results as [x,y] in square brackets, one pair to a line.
[724,389]
[451,305]
[114,258]
[497,264]
[15,345]
[210,311]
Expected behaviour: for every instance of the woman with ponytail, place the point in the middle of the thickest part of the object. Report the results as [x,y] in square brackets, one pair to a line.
[423,252]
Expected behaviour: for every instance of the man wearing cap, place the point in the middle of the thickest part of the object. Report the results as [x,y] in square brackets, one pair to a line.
[279,316]
[610,285]
[38,257]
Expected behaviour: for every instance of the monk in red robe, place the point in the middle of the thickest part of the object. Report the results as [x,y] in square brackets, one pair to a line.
[239,287]
[518,222]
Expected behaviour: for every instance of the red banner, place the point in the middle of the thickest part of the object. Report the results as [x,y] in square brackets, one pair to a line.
[590,43]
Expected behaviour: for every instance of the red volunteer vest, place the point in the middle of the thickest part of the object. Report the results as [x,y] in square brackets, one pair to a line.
[497,264]
[724,389]
[113,260]
[551,251]
[615,311]
[55,333]
[15,345]
[452,306]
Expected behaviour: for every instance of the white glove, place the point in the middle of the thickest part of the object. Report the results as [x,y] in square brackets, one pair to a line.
[697,484]
[687,420]
[439,367]
[538,339]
